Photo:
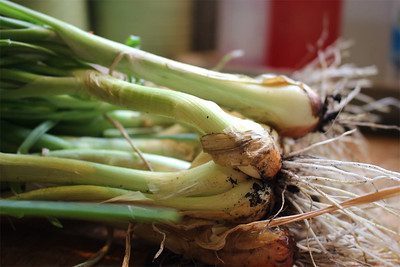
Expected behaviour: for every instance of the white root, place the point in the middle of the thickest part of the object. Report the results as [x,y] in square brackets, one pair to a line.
[350,236]
[356,236]
[164,236]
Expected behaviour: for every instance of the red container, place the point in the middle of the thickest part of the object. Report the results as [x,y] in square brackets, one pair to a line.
[297,29]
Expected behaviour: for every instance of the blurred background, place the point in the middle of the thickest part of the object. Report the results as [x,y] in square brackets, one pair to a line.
[275,35]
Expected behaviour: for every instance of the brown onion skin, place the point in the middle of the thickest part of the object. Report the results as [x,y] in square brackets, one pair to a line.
[248,247]
[277,250]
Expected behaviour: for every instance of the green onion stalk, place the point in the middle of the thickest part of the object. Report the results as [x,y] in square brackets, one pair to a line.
[268,99]
[134,122]
[81,121]
[87,211]
[78,117]
[11,136]
[183,150]
[121,159]
[231,141]
[208,191]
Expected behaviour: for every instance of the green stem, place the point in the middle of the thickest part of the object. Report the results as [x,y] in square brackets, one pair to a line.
[121,159]
[98,125]
[40,85]
[204,180]
[86,211]
[12,134]
[206,116]
[232,204]
[69,102]
[149,133]
[18,59]
[59,48]
[135,119]
[9,23]
[29,34]
[142,132]
[13,46]
[42,69]
[16,135]
[54,115]
[34,136]
[170,148]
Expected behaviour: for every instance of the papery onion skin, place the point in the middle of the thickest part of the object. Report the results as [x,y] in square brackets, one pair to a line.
[242,247]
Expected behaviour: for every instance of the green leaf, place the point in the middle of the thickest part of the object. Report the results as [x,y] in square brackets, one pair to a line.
[35,135]
[133,41]
[87,211]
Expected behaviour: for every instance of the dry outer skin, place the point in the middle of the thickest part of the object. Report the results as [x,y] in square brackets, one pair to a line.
[255,153]
[242,247]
